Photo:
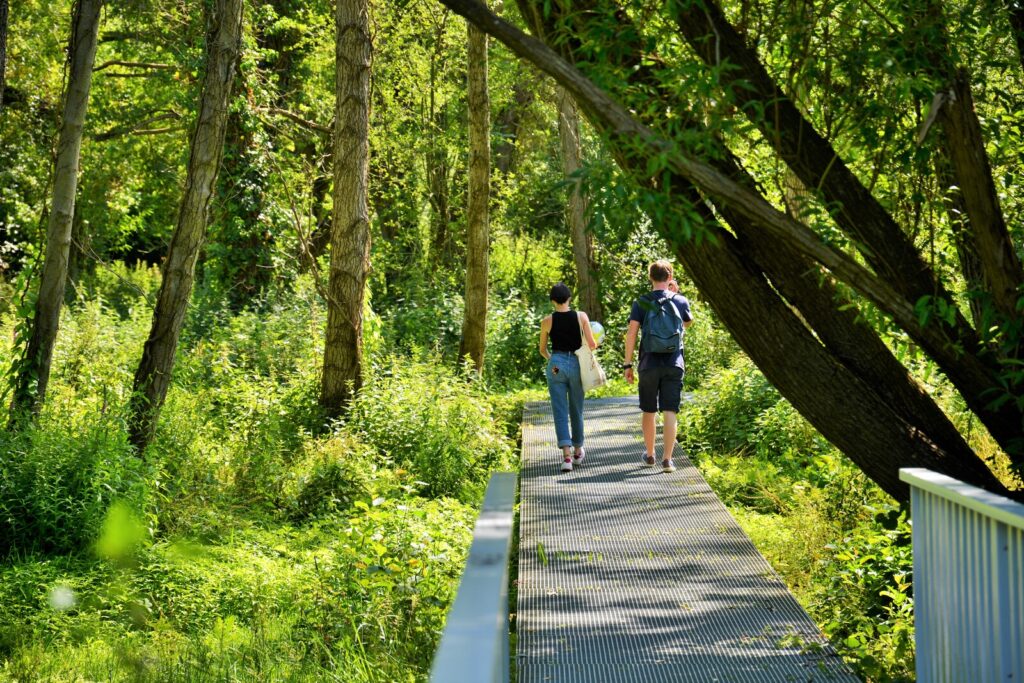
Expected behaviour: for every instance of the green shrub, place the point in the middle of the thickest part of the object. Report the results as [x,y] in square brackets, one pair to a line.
[709,347]
[723,418]
[434,420]
[58,479]
[750,482]
[513,332]
[122,287]
[780,432]
[429,320]
[332,475]
[866,604]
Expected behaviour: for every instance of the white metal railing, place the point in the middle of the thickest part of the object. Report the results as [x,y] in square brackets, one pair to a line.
[968,581]
[474,646]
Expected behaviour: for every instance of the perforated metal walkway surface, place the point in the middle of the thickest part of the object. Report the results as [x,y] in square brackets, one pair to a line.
[627,574]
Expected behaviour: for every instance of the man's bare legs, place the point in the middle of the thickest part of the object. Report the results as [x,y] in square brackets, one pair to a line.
[649,422]
[650,429]
[668,431]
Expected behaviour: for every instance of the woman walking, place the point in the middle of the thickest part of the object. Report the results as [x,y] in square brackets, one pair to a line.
[567,329]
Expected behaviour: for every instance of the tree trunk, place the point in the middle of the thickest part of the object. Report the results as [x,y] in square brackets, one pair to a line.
[507,124]
[474,324]
[847,409]
[244,262]
[576,210]
[1015,13]
[437,161]
[3,50]
[999,262]
[437,186]
[34,370]
[350,229]
[153,376]
[323,163]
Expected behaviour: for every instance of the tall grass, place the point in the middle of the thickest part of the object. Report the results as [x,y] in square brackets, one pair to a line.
[265,543]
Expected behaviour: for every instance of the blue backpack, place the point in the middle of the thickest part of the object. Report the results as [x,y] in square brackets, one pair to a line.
[662,329]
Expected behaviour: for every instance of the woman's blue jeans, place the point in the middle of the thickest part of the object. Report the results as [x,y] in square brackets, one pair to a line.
[566,390]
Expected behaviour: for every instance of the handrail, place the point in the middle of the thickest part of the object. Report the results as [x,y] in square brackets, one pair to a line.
[968,581]
[474,646]
[971,497]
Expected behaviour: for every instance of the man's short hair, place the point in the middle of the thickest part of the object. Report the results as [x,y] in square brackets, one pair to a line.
[560,293]
[660,271]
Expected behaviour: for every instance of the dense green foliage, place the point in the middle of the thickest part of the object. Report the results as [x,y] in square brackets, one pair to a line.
[245,546]
[256,539]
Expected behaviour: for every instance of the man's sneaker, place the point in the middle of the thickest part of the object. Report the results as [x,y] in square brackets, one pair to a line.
[578,457]
[567,465]
[667,467]
[649,460]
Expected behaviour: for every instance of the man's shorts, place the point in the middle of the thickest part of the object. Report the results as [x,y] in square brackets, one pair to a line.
[660,389]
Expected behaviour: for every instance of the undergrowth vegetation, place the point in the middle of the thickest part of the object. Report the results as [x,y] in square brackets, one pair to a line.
[839,542]
[256,540]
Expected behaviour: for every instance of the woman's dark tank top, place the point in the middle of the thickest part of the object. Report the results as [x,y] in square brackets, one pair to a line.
[565,331]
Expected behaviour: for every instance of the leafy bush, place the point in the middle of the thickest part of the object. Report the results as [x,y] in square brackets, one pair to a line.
[513,331]
[122,287]
[331,476]
[433,420]
[431,320]
[866,604]
[783,433]
[709,347]
[723,418]
[57,482]
[362,598]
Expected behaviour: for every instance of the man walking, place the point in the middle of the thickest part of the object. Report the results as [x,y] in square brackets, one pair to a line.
[660,317]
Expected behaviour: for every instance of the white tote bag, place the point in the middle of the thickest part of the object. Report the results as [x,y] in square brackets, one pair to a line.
[591,371]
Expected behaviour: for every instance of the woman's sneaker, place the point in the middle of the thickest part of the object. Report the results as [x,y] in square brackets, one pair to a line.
[578,457]
[567,465]
[667,467]
[648,460]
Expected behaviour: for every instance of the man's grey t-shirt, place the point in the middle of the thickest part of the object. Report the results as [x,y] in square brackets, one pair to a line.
[639,311]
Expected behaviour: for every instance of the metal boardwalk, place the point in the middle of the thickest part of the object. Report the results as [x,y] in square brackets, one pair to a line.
[630,575]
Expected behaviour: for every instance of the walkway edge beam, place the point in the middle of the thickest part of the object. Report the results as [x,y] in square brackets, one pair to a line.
[968,581]
[474,646]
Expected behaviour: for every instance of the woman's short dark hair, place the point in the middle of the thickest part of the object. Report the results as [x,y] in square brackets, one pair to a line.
[560,293]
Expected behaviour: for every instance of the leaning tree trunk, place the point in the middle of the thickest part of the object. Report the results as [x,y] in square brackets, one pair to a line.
[153,376]
[835,394]
[954,345]
[350,228]
[1015,13]
[3,50]
[474,324]
[34,371]
[576,210]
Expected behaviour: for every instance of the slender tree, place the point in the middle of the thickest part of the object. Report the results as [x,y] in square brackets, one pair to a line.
[474,323]
[3,49]
[350,226]
[153,376]
[34,371]
[576,209]
[438,165]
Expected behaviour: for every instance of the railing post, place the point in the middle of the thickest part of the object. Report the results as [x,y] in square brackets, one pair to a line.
[474,646]
[968,581]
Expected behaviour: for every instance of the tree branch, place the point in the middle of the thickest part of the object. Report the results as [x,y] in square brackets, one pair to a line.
[135,128]
[292,116]
[137,65]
